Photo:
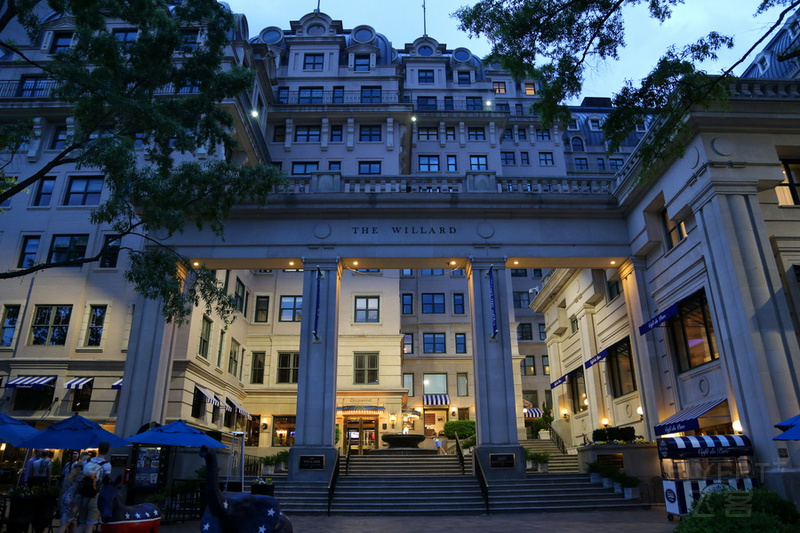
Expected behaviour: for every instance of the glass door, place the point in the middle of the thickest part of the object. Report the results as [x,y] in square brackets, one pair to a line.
[362,434]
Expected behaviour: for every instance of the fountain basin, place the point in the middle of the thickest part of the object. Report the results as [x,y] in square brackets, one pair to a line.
[402,440]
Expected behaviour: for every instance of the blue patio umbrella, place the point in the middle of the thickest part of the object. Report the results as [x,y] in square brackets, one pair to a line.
[789,423]
[793,433]
[74,433]
[15,431]
[177,433]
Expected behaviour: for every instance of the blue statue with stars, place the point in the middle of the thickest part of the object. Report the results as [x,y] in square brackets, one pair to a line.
[238,512]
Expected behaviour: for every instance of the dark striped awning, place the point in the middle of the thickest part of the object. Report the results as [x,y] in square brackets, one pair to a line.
[78,383]
[210,398]
[117,384]
[241,410]
[704,446]
[436,399]
[533,413]
[31,382]
[686,419]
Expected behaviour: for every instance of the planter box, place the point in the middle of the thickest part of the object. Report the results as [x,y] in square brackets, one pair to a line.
[617,488]
[596,478]
[543,467]
[631,493]
[267,470]
[544,434]
[264,490]
[529,465]
[608,483]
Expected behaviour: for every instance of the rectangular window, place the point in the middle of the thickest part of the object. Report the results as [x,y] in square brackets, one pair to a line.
[433,343]
[50,325]
[257,368]
[407,303]
[127,36]
[525,332]
[67,248]
[499,87]
[198,404]
[307,134]
[361,63]
[546,159]
[287,367]
[408,343]
[304,167]
[335,166]
[573,325]
[530,89]
[620,366]
[581,163]
[425,76]
[233,357]
[262,309]
[10,319]
[61,41]
[81,398]
[94,330]
[474,103]
[313,61]
[429,163]
[428,134]
[692,333]
[461,343]
[189,41]
[291,308]
[44,193]
[614,288]
[370,95]
[433,302]
[522,299]
[448,103]
[601,163]
[464,78]
[426,103]
[434,384]
[452,165]
[522,134]
[369,133]
[33,87]
[527,366]
[478,162]
[239,295]
[408,383]
[675,232]
[336,134]
[542,332]
[524,158]
[279,134]
[508,134]
[542,135]
[110,252]
[367,309]
[507,158]
[431,271]
[283,95]
[338,95]
[594,124]
[33,399]
[59,140]
[576,389]
[615,163]
[369,167]
[205,338]
[519,272]
[461,384]
[458,303]
[84,191]
[27,255]
[546,365]
[309,95]
[365,369]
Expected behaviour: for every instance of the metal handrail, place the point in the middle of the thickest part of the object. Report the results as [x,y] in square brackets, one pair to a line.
[347,458]
[460,453]
[558,441]
[476,465]
[332,483]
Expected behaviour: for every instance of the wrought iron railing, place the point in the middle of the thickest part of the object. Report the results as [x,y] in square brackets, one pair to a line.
[460,454]
[320,97]
[332,484]
[478,469]
[558,441]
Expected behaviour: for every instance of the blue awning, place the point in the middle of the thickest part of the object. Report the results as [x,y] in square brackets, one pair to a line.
[78,383]
[533,413]
[31,382]
[117,384]
[686,419]
[436,399]
[704,446]
[559,381]
[596,359]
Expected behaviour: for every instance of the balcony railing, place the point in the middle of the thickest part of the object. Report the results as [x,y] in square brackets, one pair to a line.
[319,97]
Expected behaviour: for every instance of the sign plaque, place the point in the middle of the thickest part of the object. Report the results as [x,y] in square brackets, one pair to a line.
[502,460]
[311,462]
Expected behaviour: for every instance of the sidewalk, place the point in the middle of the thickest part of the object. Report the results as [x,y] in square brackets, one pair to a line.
[653,521]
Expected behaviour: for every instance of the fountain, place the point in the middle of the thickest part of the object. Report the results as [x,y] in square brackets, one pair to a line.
[403,444]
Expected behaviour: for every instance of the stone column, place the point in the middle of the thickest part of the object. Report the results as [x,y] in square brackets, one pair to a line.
[313,456]
[148,368]
[498,448]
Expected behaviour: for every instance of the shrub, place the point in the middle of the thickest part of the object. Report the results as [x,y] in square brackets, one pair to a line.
[539,424]
[594,467]
[464,428]
[626,434]
[469,442]
[735,511]
[538,457]
[608,469]
[547,416]
[268,460]
[282,456]
[626,481]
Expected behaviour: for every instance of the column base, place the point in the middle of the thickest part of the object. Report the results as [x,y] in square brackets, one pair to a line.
[501,461]
[312,463]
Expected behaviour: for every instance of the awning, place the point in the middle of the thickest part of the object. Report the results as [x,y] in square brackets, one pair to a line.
[533,413]
[117,384]
[227,404]
[704,446]
[361,408]
[411,413]
[31,382]
[210,398]
[686,419]
[436,399]
[78,383]
[239,408]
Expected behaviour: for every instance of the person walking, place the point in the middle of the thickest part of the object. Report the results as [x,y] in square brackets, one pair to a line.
[27,475]
[92,474]
[68,501]
[42,468]
[439,447]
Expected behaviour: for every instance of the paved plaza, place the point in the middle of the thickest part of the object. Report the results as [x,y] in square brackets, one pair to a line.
[653,521]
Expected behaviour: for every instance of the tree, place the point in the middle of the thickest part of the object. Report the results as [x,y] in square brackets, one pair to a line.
[161,91]
[552,41]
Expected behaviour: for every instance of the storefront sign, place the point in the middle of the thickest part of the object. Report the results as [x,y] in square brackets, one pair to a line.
[311,462]
[559,381]
[502,460]
[669,312]
[596,359]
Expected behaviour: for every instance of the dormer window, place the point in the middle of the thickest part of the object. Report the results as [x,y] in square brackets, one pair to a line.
[763,64]
[61,41]
[425,51]
[594,124]
[573,124]
[361,63]
[313,61]
[464,78]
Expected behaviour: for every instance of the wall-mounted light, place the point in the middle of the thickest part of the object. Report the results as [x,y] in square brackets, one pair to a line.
[453,411]
[604,421]
[565,414]
[737,426]
[393,420]
[640,412]
[254,113]
[264,426]
[413,119]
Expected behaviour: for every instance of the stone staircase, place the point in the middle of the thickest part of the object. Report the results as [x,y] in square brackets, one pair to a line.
[405,465]
[560,463]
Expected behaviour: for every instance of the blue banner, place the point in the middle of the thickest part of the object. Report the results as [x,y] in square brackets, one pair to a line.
[596,359]
[559,381]
[493,302]
[669,312]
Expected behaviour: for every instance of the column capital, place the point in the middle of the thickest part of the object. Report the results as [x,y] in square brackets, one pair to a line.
[324,263]
[486,262]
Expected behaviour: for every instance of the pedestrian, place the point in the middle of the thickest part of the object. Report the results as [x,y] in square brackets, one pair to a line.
[68,501]
[27,475]
[42,468]
[93,473]
[439,447]
[69,464]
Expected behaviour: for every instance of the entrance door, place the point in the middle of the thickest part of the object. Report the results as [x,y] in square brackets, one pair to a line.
[362,434]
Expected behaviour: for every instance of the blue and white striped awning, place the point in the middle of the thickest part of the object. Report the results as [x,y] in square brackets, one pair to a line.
[704,446]
[436,399]
[686,419]
[78,383]
[242,411]
[117,384]
[31,382]
[210,398]
[533,413]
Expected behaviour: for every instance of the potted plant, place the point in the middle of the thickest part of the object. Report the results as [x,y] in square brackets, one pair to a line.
[269,465]
[545,422]
[541,460]
[595,471]
[263,486]
[281,461]
[529,462]
[608,471]
[629,485]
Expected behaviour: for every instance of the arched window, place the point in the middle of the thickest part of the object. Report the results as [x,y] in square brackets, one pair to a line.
[577,144]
